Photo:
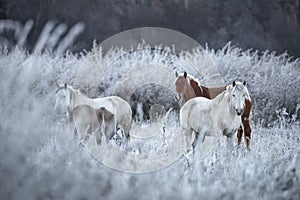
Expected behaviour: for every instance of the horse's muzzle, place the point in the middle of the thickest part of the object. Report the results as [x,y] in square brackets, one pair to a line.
[239,112]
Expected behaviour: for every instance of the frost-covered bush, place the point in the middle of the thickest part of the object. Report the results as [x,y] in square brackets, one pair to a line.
[273,80]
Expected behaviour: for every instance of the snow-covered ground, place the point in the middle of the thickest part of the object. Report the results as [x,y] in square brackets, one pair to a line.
[39,158]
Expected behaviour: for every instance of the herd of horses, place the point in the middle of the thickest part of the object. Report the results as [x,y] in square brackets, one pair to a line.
[203,111]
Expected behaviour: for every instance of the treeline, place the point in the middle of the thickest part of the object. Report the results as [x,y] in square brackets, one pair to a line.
[257,24]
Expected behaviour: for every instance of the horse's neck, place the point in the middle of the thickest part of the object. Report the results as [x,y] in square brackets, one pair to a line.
[189,94]
[220,103]
[200,90]
[197,88]
[77,99]
[205,92]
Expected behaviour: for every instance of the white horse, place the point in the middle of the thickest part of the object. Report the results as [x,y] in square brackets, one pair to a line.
[88,120]
[68,98]
[221,115]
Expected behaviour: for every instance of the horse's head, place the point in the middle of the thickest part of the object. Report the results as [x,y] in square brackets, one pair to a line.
[181,84]
[238,94]
[184,88]
[63,97]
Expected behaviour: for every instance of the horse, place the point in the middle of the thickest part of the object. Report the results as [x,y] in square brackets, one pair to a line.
[68,98]
[214,117]
[88,120]
[188,87]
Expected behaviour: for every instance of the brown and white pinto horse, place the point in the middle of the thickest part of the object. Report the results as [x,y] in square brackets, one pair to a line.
[187,87]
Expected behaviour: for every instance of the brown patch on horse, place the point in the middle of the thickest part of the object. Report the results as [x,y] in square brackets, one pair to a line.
[213,92]
[240,134]
[194,84]
[246,124]
[206,92]
[246,121]
[202,91]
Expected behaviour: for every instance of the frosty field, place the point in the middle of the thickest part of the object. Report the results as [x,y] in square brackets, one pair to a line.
[39,158]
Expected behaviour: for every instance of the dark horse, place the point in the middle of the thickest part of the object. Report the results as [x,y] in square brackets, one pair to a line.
[187,87]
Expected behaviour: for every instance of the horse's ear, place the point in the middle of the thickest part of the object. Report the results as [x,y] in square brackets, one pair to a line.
[233,83]
[65,86]
[244,83]
[176,74]
[185,74]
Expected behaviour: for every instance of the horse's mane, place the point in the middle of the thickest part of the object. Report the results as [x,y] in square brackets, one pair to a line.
[239,86]
[192,78]
[219,97]
[200,90]
[195,84]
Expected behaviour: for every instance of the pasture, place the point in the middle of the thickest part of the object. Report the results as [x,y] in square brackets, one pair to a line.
[40,160]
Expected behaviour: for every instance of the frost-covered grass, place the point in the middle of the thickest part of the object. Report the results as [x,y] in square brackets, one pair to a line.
[39,158]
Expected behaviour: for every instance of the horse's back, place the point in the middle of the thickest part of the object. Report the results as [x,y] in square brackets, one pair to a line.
[117,106]
[113,104]
[122,105]
[213,92]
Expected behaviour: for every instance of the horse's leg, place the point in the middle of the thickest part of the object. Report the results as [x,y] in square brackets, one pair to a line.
[246,122]
[240,134]
[195,140]
[109,133]
[85,134]
[75,131]
[125,125]
[187,134]
[127,134]
[200,136]
[98,135]
[247,132]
